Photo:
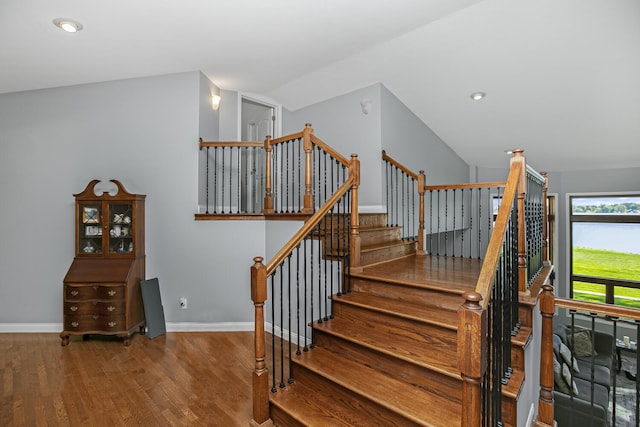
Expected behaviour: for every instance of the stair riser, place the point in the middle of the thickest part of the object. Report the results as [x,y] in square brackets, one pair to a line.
[439,343]
[416,375]
[368,257]
[345,398]
[335,241]
[428,297]
[365,220]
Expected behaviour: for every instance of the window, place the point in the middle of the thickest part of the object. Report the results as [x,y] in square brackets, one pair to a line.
[605,248]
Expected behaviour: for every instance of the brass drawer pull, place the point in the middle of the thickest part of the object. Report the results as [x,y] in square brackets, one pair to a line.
[74,292]
[111,292]
[75,324]
[112,324]
[95,317]
[73,308]
[111,308]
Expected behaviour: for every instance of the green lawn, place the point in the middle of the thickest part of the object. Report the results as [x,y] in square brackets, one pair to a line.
[608,264]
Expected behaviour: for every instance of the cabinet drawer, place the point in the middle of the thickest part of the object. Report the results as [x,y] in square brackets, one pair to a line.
[86,292]
[99,308]
[94,323]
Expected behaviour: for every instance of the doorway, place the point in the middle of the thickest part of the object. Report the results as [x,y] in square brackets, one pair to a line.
[257,120]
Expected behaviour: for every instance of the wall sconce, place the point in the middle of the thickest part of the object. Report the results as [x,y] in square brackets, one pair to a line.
[215,101]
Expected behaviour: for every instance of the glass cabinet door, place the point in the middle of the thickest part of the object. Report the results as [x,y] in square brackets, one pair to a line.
[120,228]
[90,228]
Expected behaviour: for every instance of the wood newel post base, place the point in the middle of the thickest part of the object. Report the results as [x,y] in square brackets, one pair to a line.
[472,346]
[354,235]
[267,206]
[545,401]
[260,373]
[421,182]
[307,207]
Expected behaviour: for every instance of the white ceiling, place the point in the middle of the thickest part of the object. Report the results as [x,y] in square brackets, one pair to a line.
[562,77]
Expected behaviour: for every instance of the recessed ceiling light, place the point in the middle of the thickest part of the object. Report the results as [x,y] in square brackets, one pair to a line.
[68,25]
[477,96]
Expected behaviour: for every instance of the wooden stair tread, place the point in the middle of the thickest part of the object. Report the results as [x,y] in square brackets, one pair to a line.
[441,317]
[412,283]
[522,337]
[386,391]
[429,351]
[456,274]
[514,385]
[310,408]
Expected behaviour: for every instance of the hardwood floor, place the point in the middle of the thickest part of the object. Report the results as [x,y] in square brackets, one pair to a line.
[179,379]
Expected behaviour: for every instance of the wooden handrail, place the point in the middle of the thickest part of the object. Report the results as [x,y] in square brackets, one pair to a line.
[282,254]
[397,164]
[466,185]
[287,138]
[321,144]
[488,271]
[609,310]
[204,144]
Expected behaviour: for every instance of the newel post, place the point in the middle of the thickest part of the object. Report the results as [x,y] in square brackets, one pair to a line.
[308,169]
[260,373]
[522,244]
[268,171]
[545,401]
[421,183]
[354,235]
[472,356]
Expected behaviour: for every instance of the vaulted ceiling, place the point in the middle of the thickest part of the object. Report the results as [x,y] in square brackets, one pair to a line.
[561,77]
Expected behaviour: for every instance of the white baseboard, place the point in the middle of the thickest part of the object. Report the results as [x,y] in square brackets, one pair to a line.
[30,327]
[210,327]
[171,327]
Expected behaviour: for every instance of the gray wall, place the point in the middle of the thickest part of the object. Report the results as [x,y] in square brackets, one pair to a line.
[341,123]
[410,141]
[143,132]
[390,126]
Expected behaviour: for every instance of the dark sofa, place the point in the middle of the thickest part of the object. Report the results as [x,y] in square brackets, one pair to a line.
[584,362]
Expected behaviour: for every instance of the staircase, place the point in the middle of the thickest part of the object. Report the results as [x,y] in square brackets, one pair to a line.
[388,357]
[364,327]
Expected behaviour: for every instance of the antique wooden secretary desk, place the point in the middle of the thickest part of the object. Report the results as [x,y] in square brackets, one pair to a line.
[102,286]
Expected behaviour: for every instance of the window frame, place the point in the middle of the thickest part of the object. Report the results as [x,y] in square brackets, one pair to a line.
[609,283]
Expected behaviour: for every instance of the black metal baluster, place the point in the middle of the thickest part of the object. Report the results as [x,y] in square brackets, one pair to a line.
[274,359]
[306,287]
[215,181]
[207,182]
[287,172]
[298,325]
[299,167]
[290,379]
[387,189]
[446,221]
[230,179]
[281,328]
[222,178]
[239,183]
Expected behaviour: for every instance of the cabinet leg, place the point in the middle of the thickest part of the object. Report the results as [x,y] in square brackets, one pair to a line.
[143,330]
[127,341]
[65,339]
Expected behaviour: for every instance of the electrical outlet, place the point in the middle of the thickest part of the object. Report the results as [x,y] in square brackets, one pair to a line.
[183,303]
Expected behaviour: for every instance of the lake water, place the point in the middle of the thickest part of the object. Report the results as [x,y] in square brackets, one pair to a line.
[613,237]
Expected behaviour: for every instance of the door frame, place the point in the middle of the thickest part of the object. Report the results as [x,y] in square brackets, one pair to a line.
[277,108]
